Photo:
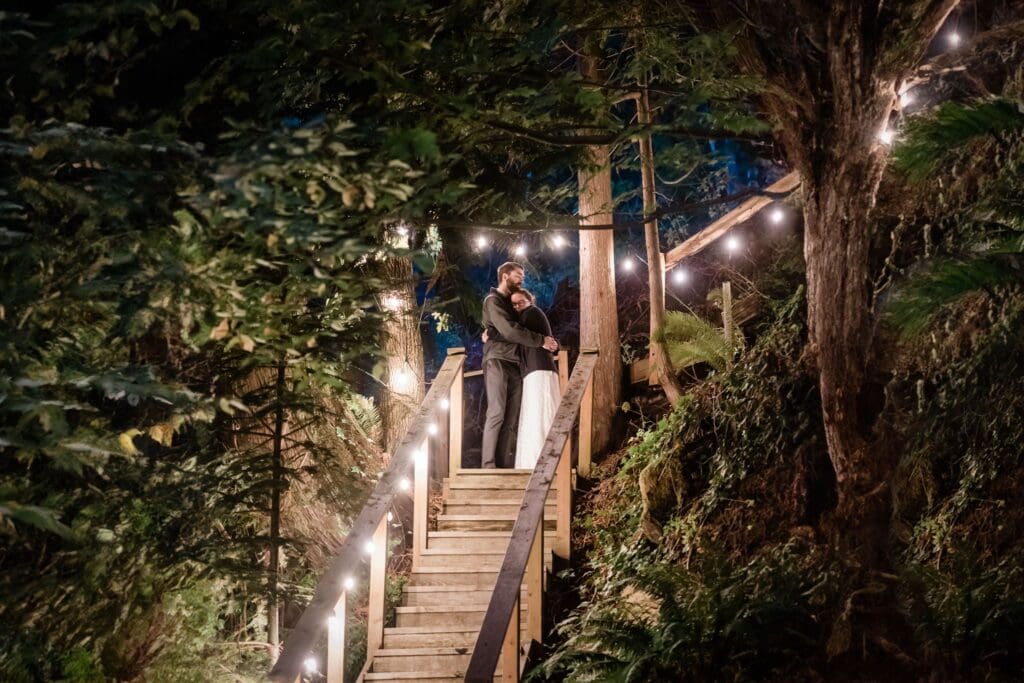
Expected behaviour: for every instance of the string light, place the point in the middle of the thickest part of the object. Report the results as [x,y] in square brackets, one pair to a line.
[558,241]
[349,583]
[403,484]
[777,215]
[481,242]
[520,250]
[368,548]
[887,136]
[445,403]
[680,276]
[402,230]
[311,664]
[732,243]
[391,515]
[402,381]
[953,39]
[391,302]
[432,429]
[627,264]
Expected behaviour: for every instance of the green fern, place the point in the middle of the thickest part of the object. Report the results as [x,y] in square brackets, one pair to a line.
[691,340]
[929,140]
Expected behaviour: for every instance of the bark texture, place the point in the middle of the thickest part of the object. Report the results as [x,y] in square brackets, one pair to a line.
[599,317]
[660,360]
[833,72]
[403,351]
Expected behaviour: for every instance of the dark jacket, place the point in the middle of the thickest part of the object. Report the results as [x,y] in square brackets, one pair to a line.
[499,317]
[532,358]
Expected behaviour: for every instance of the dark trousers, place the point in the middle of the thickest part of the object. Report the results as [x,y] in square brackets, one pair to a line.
[504,386]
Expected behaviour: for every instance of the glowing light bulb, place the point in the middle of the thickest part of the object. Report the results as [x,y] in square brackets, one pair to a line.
[627,264]
[349,583]
[520,250]
[680,275]
[403,484]
[310,664]
[887,136]
[445,404]
[558,241]
[953,39]
[391,515]
[391,302]
[402,381]
[777,215]
[402,230]
[368,547]
[481,242]
[432,429]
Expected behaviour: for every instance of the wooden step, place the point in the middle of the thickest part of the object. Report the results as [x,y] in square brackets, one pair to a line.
[452,576]
[491,522]
[430,636]
[417,677]
[466,494]
[484,541]
[414,596]
[493,507]
[452,616]
[495,479]
[444,660]
[447,557]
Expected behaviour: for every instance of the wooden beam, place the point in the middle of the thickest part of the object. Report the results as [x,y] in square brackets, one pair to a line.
[378,582]
[740,214]
[336,643]
[455,412]
[420,496]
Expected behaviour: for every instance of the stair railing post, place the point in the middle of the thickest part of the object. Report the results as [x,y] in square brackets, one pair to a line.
[586,425]
[336,642]
[378,570]
[510,649]
[421,493]
[535,589]
[563,476]
[455,419]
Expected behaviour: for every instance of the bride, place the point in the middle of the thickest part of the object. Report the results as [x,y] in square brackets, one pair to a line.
[541,393]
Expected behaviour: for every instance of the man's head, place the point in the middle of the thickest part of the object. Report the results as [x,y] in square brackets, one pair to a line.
[510,276]
[522,299]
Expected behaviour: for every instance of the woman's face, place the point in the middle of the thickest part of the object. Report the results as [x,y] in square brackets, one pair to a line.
[520,302]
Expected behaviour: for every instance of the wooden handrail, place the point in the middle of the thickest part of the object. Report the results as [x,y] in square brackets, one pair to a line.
[330,589]
[503,609]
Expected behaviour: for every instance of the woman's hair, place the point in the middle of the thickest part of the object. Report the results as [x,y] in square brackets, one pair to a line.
[528,294]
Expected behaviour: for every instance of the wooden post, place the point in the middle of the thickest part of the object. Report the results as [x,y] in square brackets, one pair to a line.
[563,478]
[586,426]
[421,494]
[510,649]
[535,589]
[455,419]
[652,362]
[378,569]
[336,642]
[727,317]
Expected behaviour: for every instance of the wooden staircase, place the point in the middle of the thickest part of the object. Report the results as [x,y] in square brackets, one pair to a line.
[450,586]
[473,605]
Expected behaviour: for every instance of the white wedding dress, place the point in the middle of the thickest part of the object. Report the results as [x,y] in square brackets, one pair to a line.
[541,396]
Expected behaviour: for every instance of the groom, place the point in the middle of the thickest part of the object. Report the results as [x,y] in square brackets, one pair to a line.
[502,377]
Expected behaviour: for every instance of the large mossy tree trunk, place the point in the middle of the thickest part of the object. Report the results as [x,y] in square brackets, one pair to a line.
[402,344]
[599,315]
[832,73]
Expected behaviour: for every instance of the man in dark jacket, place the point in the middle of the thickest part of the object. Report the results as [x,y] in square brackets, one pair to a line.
[502,376]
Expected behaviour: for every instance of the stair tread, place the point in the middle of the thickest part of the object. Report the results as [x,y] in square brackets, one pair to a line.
[441,628]
[472,533]
[462,551]
[419,651]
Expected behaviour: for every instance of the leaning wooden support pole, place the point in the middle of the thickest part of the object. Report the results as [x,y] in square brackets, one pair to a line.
[336,643]
[586,430]
[421,494]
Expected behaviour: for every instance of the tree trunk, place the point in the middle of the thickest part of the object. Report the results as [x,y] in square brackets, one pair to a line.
[599,316]
[277,476]
[403,351]
[660,361]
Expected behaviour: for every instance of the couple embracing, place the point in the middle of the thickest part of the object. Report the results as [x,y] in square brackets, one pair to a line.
[520,376]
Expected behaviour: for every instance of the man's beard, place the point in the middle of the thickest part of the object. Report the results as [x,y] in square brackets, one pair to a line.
[512,287]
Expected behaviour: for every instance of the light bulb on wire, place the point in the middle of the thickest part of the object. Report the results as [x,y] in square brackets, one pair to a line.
[627,264]
[887,136]
[953,38]
[777,215]
[520,250]
[680,276]
[906,99]
[558,241]
[310,664]
[481,242]
[732,244]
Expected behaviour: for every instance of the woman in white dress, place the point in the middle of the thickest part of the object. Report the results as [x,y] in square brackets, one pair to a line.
[541,393]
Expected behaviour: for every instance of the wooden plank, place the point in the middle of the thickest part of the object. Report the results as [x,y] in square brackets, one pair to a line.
[563,495]
[586,430]
[535,590]
[378,572]
[744,212]
[503,606]
[455,414]
[510,649]
[421,493]
[311,624]
[336,643]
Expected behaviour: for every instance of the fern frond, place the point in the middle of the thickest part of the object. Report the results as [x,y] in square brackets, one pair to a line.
[930,139]
[691,340]
[944,282]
